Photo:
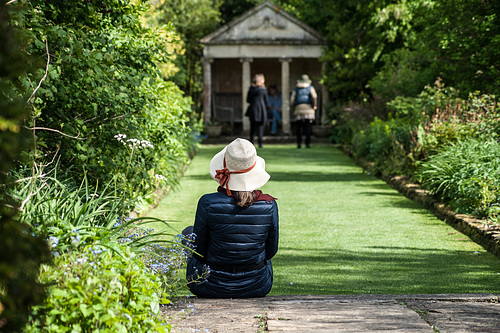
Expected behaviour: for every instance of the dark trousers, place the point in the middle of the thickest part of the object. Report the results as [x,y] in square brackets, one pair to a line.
[257,127]
[304,126]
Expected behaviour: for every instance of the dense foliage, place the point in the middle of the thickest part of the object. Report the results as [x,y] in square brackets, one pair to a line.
[21,251]
[394,48]
[102,80]
[387,63]
[466,174]
[447,143]
[110,273]
[88,87]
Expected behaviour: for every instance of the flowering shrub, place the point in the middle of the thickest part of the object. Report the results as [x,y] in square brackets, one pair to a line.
[167,263]
[98,289]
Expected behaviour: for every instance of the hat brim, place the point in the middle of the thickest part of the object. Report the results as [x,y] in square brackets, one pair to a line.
[248,181]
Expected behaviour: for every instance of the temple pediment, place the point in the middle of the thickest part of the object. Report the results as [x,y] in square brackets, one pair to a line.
[265,24]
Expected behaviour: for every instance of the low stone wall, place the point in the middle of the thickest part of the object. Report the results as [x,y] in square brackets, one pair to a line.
[485,235]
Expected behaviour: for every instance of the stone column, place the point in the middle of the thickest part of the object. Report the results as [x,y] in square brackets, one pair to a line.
[207,89]
[285,95]
[245,85]
[324,99]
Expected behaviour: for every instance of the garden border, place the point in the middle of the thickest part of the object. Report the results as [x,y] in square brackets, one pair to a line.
[479,231]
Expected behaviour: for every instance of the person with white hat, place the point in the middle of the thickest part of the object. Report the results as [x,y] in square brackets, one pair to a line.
[305,101]
[236,228]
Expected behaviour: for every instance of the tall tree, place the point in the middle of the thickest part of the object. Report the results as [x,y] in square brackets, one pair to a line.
[464,36]
[456,40]
[355,42]
[231,9]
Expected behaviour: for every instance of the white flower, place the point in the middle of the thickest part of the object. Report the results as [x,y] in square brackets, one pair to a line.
[132,143]
[146,144]
[160,177]
[120,137]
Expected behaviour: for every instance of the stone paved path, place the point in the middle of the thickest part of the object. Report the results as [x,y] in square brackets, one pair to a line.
[352,313]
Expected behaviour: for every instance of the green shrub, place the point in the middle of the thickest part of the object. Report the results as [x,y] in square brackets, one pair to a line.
[386,143]
[351,118]
[467,174]
[97,289]
[104,79]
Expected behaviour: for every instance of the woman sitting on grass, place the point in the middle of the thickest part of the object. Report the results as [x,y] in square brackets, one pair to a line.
[236,228]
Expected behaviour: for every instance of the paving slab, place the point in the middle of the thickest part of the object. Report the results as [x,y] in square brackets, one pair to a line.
[340,313]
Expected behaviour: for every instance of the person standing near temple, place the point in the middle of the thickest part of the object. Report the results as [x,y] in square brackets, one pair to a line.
[304,101]
[274,107]
[257,110]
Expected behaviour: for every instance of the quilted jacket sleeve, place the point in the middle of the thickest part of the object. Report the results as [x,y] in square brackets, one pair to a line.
[273,236]
[201,231]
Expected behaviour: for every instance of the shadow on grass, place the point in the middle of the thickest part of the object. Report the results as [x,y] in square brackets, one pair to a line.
[384,270]
[315,176]
[385,194]
[323,156]
[302,176]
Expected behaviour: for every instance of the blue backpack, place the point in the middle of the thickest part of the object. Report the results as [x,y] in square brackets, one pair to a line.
[303,96]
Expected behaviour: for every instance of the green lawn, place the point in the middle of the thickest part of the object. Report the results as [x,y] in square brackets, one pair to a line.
[345,232]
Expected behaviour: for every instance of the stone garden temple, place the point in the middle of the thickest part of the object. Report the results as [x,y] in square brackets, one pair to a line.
[264,40]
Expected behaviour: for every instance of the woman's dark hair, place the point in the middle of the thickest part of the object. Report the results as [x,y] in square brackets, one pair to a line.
[244,198]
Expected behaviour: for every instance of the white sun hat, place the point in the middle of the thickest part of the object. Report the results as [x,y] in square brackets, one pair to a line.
[237,167]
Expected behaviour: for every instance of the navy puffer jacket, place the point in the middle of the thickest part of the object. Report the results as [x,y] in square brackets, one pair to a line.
[228,235]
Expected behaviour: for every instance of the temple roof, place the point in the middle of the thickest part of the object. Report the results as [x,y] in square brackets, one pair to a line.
[265,24]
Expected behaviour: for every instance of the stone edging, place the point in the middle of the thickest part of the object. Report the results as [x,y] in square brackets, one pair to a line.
[476,229]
